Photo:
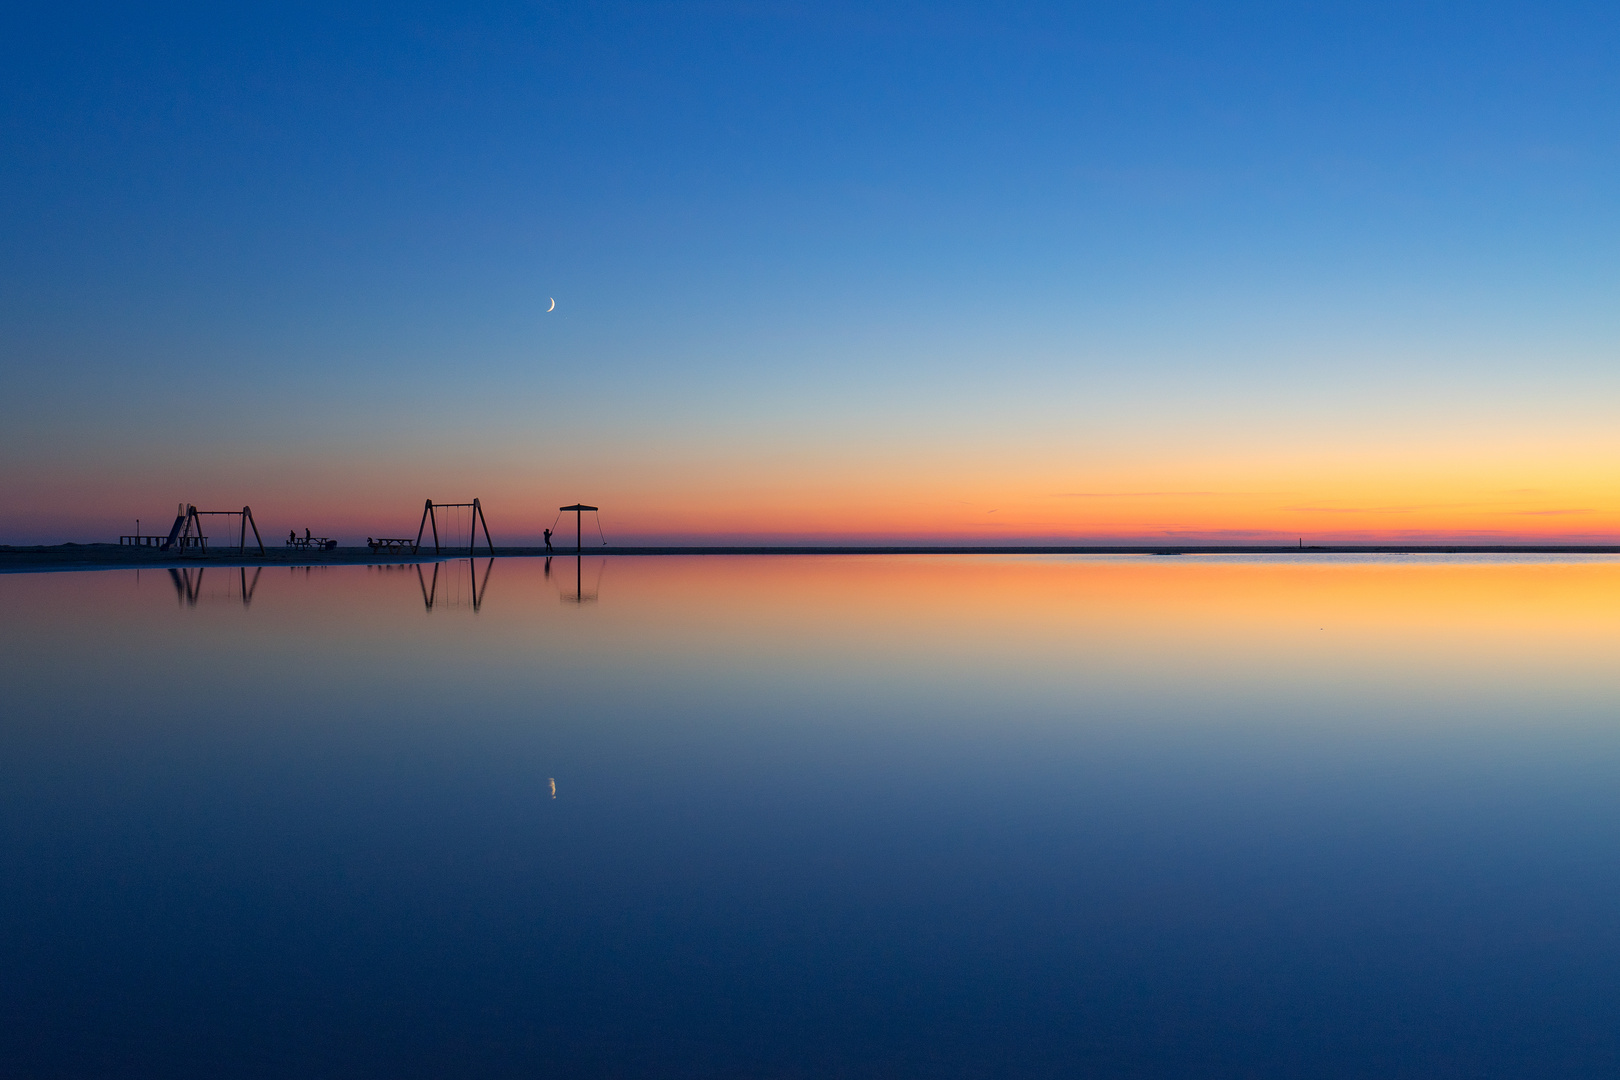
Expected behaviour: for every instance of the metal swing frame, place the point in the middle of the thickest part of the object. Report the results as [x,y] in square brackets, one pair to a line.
[194,516]
[428,519]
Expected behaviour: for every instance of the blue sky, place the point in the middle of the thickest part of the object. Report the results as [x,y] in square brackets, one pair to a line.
[893,241]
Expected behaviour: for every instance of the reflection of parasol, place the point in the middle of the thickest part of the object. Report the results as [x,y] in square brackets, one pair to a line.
[580,595]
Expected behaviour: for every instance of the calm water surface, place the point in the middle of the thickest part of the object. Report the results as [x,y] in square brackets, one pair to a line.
[838,816]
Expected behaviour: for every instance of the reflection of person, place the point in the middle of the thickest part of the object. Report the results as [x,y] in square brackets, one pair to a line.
[548,539]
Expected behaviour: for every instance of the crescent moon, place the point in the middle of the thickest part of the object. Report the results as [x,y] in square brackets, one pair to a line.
[553,306]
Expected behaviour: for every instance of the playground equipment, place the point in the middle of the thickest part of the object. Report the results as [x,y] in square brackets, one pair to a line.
[474,518]
[188,530]
[245,518]
[579,512]
[179,536]
[140,539]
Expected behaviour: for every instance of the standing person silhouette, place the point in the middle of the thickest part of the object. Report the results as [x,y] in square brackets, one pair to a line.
[292,537]
[548,540]
[306,536]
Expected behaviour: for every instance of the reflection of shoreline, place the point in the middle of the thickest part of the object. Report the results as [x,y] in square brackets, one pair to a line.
[15,560]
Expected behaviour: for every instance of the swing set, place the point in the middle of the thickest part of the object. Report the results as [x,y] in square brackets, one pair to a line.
[188,530]
[457,520]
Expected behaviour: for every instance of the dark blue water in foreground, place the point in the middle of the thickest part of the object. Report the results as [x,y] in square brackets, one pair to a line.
[857,817]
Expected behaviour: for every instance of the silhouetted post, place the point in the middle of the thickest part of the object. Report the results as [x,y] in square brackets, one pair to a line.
[478,512]
[247,512]
[427,516]
[247,520]
[579,511]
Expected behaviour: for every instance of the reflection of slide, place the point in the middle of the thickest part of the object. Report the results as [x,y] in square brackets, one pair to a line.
[179,523]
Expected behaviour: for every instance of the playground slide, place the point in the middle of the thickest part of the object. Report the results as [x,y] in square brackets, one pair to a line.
[174,533]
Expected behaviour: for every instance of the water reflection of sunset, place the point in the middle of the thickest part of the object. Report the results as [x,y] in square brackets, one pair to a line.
[1069,629]
[1035,597]
[1221,618]
[1071,751]
[1227,602]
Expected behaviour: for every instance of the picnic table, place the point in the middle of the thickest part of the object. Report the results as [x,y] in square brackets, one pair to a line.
[391,543]
[315,543]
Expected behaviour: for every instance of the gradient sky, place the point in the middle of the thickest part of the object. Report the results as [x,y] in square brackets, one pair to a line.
[955,271]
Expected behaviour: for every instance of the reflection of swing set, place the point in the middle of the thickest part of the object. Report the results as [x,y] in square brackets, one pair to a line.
[430,587]
[188,590]
[474,519]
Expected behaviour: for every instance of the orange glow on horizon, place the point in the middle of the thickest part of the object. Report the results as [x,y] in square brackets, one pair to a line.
[951,498]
